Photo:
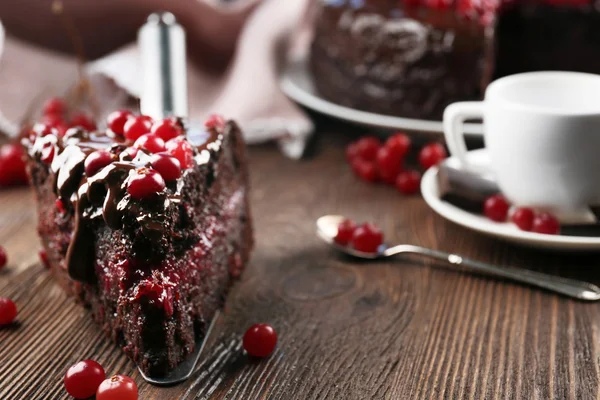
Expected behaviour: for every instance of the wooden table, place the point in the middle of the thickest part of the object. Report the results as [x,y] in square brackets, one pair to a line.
[393,330]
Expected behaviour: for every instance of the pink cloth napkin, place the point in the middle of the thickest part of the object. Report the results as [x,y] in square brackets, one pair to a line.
[236,51]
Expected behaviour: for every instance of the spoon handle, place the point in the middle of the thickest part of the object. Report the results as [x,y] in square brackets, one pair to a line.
[569,287]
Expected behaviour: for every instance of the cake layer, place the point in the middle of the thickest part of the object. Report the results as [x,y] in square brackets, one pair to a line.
[156,274]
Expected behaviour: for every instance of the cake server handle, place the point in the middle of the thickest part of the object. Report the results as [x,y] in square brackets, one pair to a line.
[161,43]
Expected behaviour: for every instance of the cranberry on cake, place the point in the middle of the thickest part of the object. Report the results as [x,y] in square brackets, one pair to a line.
[412,58]
[147,223]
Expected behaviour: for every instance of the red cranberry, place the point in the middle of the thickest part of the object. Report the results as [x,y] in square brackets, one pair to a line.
[546,223]
[345,231]
[82,379]
[44,258]
[117,387]
[84,121]
[167,129]
[365,170]
[523,218]
[167,166]
[496,208]
[13,169]
[96,161]
[398,144]
[367,147]
[367,238]
[408,182]
[8,311]
[260,340]
[432,154]
[60,206]
[150,142]
[54,106]
[181,149]
[136,127]
[351,152]
[116,121]
[215,121]
[388,164]
[3,257]
[145,183]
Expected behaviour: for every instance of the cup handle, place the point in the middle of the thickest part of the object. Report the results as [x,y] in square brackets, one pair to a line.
[454,117]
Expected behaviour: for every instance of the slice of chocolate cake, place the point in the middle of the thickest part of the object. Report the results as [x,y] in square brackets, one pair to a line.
[149,233]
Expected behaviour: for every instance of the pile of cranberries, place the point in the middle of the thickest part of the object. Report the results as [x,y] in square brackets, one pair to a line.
[87,378]
[373,161]
[365,237]
[498,209]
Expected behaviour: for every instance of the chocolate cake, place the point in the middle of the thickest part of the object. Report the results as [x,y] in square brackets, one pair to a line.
[152,249]
[412,58]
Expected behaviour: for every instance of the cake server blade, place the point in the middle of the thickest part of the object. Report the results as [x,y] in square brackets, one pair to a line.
[184,370]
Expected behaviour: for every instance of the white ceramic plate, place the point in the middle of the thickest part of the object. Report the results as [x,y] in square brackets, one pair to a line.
[506,231]
[296,83]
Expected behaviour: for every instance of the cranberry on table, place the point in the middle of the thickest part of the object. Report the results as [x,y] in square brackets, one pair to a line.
[367,238]
[54,106]
[367,147]
[389,165]
[151,142]
[345,231]
[181,149]
[260,340]
[523,217]
[137,126]
[116,121]
[8,311]
[3,257]
[117,387]
[496,208]
[12,165]
[365,170]
[398,144]
[546,223]
[84,121]
[408,182]
[432,154]
[167,129]
[145,183]
[167,166]
[215,121]
[82,379]
[96,161]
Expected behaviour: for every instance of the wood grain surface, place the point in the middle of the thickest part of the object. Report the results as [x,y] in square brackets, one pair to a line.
[386,330]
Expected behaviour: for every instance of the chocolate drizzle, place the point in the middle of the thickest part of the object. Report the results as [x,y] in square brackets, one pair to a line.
[103,198]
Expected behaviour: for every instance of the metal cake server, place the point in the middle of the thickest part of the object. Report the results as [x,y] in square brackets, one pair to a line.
[184,370]
[161,41]
[327,227]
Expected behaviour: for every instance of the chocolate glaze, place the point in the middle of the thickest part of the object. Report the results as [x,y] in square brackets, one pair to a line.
[103,198]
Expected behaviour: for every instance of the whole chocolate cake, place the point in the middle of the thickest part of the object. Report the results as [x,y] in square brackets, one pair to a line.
[412,58]
[149,230]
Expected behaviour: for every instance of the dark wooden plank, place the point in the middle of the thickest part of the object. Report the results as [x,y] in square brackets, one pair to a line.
[348,330]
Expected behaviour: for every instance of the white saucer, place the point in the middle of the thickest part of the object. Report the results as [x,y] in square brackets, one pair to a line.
[297,83]
[506,231]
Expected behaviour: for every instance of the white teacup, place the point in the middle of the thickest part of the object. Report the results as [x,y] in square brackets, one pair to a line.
[542,133]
